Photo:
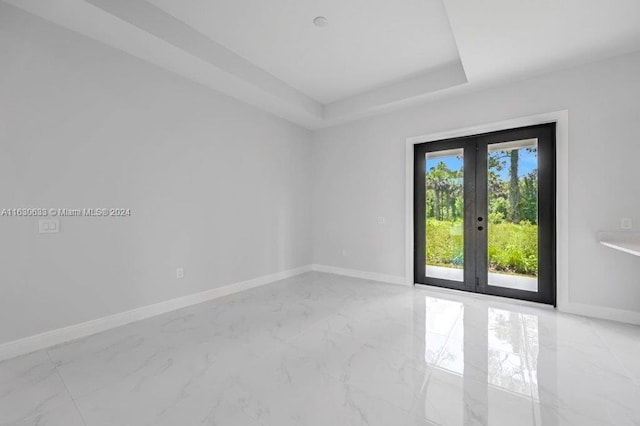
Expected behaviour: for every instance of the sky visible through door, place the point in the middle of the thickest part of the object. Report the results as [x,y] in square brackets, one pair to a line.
[512,214]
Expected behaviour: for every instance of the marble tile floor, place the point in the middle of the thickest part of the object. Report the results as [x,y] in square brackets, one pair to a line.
[320,349]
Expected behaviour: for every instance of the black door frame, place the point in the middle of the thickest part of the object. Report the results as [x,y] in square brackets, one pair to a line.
[468,145]
[475,212]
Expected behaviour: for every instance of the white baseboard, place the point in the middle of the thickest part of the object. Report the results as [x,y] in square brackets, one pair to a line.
[602,312]
[76,331]
[372,276]
[592,311]
[61,335]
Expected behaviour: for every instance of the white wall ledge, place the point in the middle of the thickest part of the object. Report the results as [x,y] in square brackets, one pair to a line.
[624,241]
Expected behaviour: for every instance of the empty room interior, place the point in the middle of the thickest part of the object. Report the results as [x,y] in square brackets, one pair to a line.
[319,212]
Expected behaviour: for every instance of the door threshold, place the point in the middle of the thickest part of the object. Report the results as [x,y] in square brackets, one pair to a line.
[482,296]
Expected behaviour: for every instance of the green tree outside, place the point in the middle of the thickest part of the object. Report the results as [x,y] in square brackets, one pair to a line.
[512,221]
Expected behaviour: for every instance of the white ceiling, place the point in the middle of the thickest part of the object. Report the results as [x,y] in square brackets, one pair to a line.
[368,43]
[374,56]
[502,39]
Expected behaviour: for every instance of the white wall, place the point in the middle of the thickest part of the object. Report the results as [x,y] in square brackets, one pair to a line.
[359,174]
[224,189]
[215,186]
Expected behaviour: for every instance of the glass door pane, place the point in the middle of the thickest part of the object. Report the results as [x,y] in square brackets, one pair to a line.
[512,204]
[444,214]
[484,213]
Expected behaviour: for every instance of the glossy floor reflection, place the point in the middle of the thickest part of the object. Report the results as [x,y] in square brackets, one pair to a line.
[320,349]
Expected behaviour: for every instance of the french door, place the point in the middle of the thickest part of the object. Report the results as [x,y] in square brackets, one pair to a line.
[484,213]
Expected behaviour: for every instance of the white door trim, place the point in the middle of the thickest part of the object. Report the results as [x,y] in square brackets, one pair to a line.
[561,118]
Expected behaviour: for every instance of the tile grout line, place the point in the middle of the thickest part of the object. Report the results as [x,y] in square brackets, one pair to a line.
[64,383]
[612,353]
[431,368]
[313,324]
[525,343]
[355,386]
[351,307]
[285,340]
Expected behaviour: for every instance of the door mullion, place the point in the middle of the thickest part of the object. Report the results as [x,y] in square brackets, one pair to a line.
[470,164]
[480,221]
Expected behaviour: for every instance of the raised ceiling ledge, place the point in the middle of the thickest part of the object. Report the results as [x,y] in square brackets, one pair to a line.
[624,241]
[396,94]
[146,32]
[512,44]
[143,30]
